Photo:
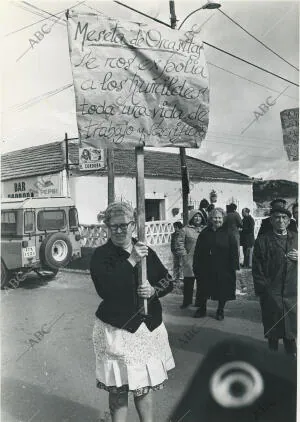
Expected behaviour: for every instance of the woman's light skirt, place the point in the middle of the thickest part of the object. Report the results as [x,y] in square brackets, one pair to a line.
[136,362]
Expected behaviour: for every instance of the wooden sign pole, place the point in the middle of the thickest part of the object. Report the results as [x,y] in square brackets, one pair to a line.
[140,205]
[184,173]
[110,175]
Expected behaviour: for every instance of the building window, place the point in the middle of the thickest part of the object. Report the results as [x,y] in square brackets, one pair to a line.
[154,209]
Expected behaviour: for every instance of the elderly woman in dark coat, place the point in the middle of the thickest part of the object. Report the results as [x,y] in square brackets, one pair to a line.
[275,260]
[215,263]
[132,350]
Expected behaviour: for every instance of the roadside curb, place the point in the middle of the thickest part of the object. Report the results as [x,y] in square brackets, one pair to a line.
[74,270]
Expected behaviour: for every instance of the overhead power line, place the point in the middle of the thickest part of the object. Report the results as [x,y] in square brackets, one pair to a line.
[282,17]
[23,7]
[210,45]
[41,10]
[241,145]
[35,100]
[38,12]
[164,23]
[251,64]
[241,142]
[41,20]
[32,24]
[249,80]
[256,39]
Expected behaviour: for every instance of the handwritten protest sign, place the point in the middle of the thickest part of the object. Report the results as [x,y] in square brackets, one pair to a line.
[290,129]
[137,84]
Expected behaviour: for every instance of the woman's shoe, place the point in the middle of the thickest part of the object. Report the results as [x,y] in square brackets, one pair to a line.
[220,314]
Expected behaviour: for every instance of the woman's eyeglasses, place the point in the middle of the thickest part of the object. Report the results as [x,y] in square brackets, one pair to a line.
[122,226]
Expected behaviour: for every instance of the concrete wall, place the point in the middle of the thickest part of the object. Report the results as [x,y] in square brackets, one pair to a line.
[90,194]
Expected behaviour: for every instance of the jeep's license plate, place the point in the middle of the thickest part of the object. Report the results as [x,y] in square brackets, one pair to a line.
[29,252]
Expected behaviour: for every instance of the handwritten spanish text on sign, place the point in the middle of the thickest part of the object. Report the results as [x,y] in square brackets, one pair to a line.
[290,129]
[137,84]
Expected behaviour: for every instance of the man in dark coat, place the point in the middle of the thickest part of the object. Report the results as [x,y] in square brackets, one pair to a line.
[266,225]
[275,280]
[204,204]
[295,217]
[233,222]
[247,237]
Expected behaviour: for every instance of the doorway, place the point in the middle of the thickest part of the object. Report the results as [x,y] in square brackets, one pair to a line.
[154,209]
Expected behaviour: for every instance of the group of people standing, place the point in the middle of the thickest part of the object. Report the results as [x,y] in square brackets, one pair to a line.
[132,348]
[209,250]
[206,250]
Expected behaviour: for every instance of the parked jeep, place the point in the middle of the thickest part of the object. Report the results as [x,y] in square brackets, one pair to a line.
[37,234]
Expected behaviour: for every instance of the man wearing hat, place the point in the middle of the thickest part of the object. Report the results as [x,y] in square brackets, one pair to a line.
[266,225]
[275,261]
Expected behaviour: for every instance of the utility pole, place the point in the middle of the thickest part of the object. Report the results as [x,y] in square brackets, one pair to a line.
[184,171]
[67,162]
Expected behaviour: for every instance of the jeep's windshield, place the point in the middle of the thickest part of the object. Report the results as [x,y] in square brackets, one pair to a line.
[8,222]
[51,220]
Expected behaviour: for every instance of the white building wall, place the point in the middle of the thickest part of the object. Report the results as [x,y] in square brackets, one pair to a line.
[239,193]
[90,194]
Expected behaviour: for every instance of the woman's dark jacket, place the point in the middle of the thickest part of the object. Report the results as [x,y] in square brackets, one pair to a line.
[275,282]
[247,233]
[215,262]
[116,282]
[233,222]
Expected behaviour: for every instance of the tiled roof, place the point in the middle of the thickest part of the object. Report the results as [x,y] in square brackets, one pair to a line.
[42,159]
[166,165]
[49,158]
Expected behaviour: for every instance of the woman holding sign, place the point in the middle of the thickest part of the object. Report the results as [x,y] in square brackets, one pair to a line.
[132,350]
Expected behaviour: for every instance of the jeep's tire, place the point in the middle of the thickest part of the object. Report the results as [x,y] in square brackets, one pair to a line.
[56,251]
[5,275]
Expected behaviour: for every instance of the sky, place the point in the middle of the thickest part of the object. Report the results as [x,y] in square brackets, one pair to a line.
[236,138]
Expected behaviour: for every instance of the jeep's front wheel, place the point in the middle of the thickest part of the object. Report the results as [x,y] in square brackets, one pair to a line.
[56,251]
[5,275]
